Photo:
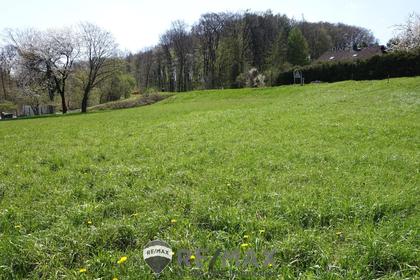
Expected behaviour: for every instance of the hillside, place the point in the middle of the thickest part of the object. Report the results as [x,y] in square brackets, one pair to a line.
[325,174]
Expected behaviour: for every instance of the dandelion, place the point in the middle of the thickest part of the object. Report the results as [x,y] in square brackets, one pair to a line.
[89,222]
[18,226]
[270,265]
[244,246]
[115,278]
[338,233]
[122,260]
[82,270]
[173,221]
[192,258]
[262,231]
[246,236]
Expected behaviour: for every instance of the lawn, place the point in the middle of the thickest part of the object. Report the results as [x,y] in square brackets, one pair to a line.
[327,175]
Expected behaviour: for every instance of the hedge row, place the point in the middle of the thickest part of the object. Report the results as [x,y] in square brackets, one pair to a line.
[395,64]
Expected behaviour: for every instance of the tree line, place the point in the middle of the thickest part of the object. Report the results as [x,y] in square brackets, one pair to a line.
[222,50]
[81,66]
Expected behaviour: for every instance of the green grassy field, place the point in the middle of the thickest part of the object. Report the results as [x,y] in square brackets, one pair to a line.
[327,175]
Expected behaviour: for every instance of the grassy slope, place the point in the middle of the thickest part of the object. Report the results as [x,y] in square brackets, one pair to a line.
[330,172]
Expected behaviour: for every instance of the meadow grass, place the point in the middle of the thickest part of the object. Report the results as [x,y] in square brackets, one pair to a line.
[327,175]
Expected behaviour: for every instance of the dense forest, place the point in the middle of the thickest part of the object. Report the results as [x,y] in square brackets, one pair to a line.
[221,48]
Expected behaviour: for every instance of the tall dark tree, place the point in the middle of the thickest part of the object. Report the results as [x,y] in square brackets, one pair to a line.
[209,31]
[319,41]
[345,36]
[297,48]
[145,64]
[180,41]
[168,71]
[230,62]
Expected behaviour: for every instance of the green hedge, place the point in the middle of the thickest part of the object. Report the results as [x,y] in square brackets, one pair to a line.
[395,64]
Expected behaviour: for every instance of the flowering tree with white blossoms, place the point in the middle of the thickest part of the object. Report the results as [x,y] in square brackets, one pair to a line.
[408,35]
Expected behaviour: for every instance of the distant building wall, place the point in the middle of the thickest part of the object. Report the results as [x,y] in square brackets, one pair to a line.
[42,110]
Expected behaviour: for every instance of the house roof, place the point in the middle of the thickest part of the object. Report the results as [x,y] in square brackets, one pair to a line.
[351,54]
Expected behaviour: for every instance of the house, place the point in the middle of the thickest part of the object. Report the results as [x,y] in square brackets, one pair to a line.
[351,54]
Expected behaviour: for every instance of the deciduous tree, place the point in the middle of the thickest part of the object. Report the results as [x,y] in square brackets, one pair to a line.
[98,47]
[408,34]
[48,56]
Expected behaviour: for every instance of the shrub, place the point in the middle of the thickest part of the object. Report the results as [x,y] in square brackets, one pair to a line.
[254,78]
[7,107]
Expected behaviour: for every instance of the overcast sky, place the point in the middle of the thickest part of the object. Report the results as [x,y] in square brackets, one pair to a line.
[137,24]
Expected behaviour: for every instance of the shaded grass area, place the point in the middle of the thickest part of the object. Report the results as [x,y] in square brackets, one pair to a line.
[327,175]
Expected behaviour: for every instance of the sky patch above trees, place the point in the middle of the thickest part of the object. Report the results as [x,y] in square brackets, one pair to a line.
[139,24]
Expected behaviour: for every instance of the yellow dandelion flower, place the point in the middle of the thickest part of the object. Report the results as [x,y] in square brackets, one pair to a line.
[89,222]
[262,231]
[246,236]
[192,258]
[173,221]
[122,260]
[82,270]
[270,265]
[338,233]
[244,246]
[18,226]
[115,278]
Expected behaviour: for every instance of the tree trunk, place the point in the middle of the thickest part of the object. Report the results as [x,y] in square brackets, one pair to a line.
[63,102]
[62,89]
[180,76]
[85,101]
[4,86]
[147,77]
